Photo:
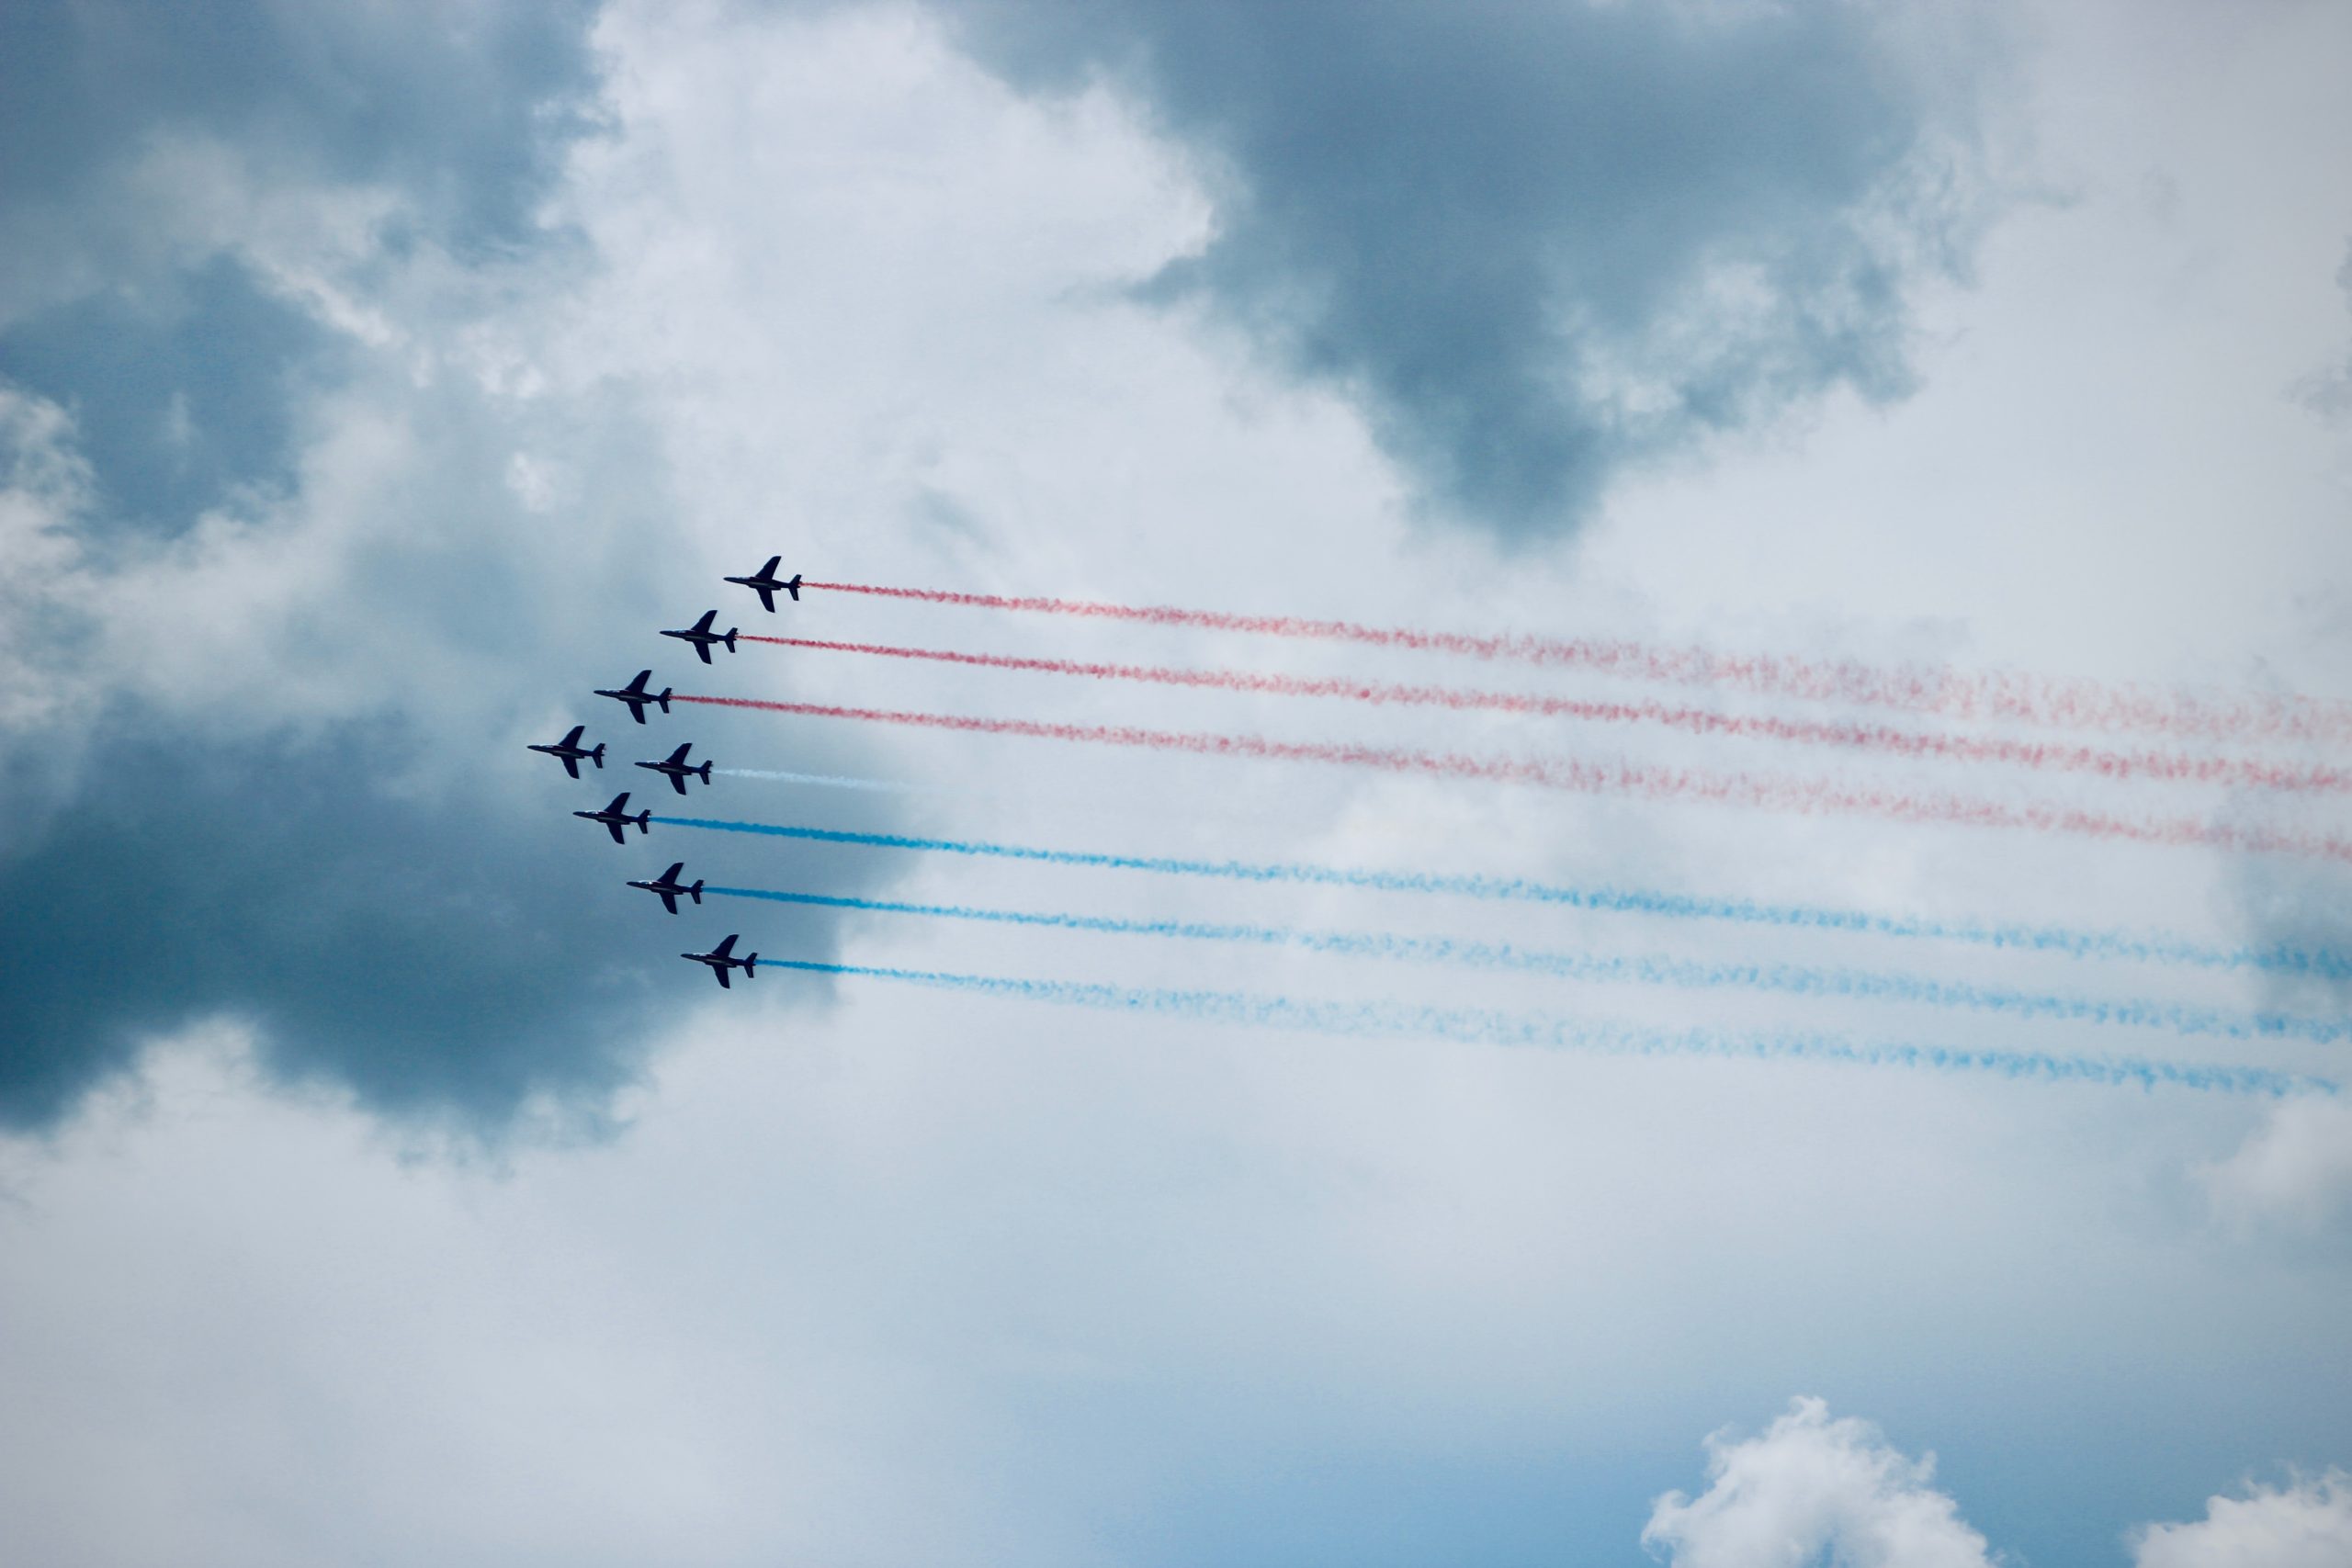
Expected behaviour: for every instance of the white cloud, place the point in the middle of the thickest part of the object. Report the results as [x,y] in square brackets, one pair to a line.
[2295,1171]
[1811,1485]
[2306,1525]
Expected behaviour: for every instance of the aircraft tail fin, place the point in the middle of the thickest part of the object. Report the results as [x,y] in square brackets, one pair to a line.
[751,965]
[664,700]
[706,771]
[597,756]
[694,892]
[730,638]
[792,587]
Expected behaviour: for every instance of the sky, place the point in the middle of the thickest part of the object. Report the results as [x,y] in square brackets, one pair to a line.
[375,1184]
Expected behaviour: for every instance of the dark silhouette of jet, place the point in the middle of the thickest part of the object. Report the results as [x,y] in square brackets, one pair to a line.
[679,770]
[721,960]
[637,696]
[764,583]
[702,637]
[668,886]
[615,816]
[573,753]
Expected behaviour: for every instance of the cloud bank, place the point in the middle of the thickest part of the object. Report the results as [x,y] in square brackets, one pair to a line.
[1539,244]
[305,531]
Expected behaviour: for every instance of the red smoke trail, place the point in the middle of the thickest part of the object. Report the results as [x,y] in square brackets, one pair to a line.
[1808,796]
[2171,767]
[1948,693]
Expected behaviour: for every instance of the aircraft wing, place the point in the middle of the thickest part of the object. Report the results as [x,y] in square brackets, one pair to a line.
[703,648]
[669,902]
[768,570]
[679,756]
[724,948]
[614,828]
[637,685]
[571,764]
[572,738]
[636,707]
[767,599]
[678,782]
[707,617]
[723,983]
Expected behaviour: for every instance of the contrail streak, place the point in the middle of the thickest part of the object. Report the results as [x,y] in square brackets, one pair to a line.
[2094,944]
[1480,1026]
[2166,767]
[836,780]
[1948,693]
[1792,979]
[1805,796]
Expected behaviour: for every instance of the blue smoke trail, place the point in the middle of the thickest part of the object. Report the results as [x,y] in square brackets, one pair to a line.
[1480,1026]
[1794,979]
[2150,948]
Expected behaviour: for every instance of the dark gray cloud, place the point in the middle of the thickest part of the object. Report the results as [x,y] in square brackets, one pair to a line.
[321,822]
[396,898]
[181,390]
[463,105]
[1534,241]
[432,954]
[396,892]
[380,880]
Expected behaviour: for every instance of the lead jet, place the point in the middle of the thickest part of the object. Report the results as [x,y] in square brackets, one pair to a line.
[637,696]
[764,583]
[573,753]
[702,637]
[679,770]
[667,887]
[722,959]
[615,816]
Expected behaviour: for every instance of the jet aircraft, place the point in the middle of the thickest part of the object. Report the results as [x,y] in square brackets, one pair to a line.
[667,886]
[722,959]
[702,637]
[573,753]
[637,696]
[764,583]
[615,816]
[679,770]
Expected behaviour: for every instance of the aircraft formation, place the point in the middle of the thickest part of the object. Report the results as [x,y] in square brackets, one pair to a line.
[638,695]
[1931,727]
